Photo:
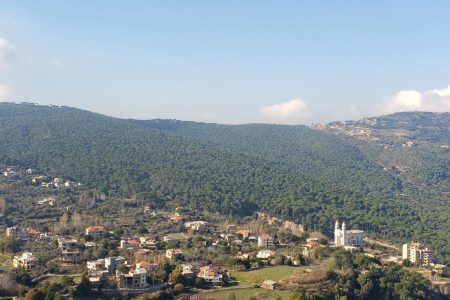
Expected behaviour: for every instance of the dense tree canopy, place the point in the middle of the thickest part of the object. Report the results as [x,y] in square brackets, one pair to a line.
[301,174]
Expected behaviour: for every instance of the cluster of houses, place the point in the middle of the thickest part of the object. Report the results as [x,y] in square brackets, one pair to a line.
[29,174]
[56,182]
[135,276]
[30,233]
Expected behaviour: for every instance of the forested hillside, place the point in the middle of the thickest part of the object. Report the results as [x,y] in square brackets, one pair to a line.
[295,172]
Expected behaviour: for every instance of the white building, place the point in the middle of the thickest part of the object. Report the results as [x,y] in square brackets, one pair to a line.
[199,226]
[26,261]
[136,279]
[66,244]
[266,241]
[265,254]
[344,237]
[50,201]
[211,274]
[109,264]
[417,254]
[173,253]
[130,245]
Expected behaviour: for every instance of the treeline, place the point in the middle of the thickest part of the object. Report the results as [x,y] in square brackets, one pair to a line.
[358,276]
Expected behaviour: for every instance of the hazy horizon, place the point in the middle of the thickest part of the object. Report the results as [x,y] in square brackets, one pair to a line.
[228,63]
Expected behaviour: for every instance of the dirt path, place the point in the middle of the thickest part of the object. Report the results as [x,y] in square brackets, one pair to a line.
[384,244]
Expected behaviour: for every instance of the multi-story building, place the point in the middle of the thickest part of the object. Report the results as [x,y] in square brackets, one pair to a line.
[417,254]
[344,237]
[27,261]
[199,226]
[71,255]
[130,245]
[266,241]
[95,232]
[16,233]
[109,264]
[173,254]
[67,244]
[211,274]
[135,279]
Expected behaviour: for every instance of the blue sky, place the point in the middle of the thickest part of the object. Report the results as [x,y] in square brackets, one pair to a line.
[290,62]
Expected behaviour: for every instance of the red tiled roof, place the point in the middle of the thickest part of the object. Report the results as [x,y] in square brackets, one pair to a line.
[95,228]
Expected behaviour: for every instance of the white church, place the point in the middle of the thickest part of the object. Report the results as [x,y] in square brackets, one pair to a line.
[344,237]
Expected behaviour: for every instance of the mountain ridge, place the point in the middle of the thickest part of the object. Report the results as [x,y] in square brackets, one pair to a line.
[295,172]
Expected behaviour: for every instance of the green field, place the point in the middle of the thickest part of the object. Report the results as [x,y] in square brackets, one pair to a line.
[258,276]
[6,261]
[245,294]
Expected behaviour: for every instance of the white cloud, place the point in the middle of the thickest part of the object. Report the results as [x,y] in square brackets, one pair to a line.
[8,53]
[6,93]
[437,100]
[290,111]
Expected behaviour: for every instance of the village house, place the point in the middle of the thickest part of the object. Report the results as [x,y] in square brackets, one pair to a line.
[174,237]
[147,265]
[95,232]
[16,233]
[27,261]
[37,179]
[57,181]
[148,242]
[95,265]
[141,252]
[176,217]
[109,264]
[71,184]
[33,233]
[173,254]
[344,237]
[211,274]
[11,173]
[264,254]
[187,270]
[49,236]
[199,226]
[309,247]
[67,244]
[46,184]
[130,245]
[231,228]
[71,256]
[49,201]
[227,236]
[266,241]
[97,277]
[245,233]
[135,279]
[417,254]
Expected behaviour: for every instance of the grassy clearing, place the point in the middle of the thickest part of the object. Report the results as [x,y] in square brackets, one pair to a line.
[244,294]
[6,261]
[258,276]
[58,279]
